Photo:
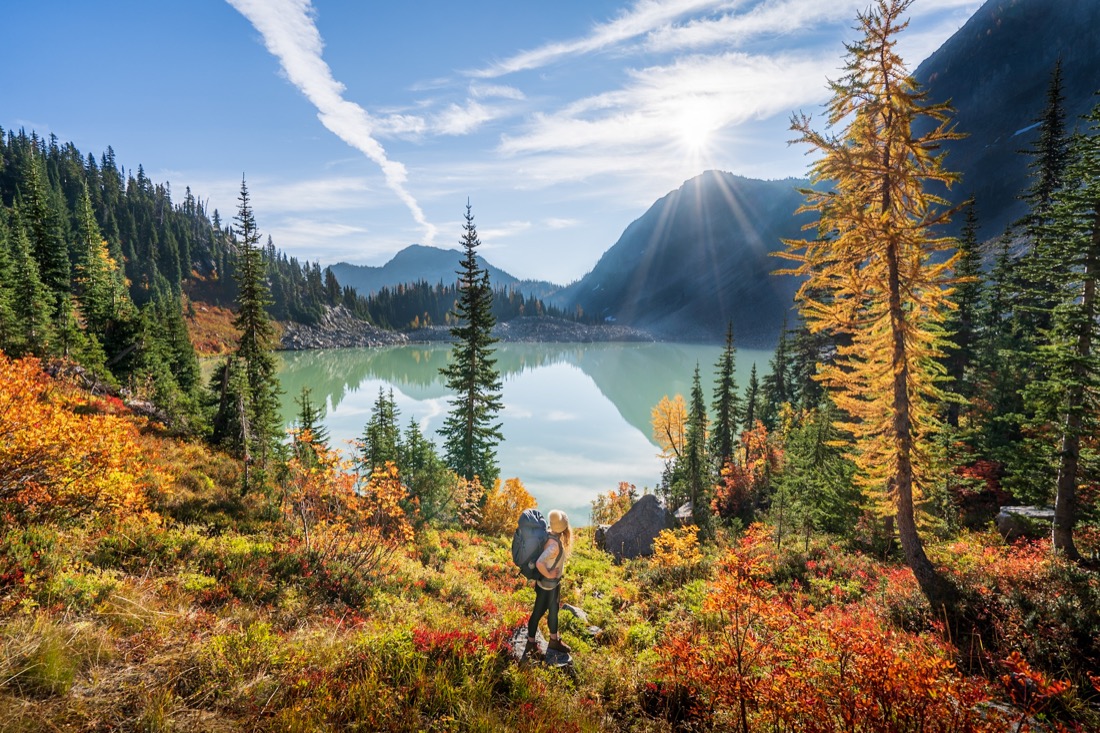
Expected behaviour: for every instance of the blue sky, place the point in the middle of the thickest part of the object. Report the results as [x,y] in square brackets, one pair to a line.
[363,127]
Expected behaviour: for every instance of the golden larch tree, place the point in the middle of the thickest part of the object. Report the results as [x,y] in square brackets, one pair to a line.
[877,275]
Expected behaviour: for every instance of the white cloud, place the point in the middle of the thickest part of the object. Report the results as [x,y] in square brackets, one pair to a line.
[643,17]
[554,223]
[704,93]
[461,120]
[783,17]
[504,230]
[499,91]
[290,34]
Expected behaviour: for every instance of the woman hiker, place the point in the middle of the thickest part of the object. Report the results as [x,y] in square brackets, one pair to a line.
[551,565]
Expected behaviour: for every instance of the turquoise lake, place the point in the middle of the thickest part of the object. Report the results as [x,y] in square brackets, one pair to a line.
[576,417]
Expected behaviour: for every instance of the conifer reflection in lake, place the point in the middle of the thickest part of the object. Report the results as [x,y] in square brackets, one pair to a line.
[576,417]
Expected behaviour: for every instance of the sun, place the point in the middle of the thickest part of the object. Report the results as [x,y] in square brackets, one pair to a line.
[694,126]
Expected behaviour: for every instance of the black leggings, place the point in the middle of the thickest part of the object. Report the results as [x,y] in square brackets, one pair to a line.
[545,600]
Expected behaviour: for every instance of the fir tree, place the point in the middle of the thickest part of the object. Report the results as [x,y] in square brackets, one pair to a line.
[1071,367]
[776,384]
[752,400]
[382,435]
[877,219]
[961,325]
[311,434]
[258,403]
[726,405]
[696,464]
[31,302]
[470,431]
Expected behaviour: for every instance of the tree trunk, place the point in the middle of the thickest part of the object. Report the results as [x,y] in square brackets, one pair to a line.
[941,594]
[1065,501]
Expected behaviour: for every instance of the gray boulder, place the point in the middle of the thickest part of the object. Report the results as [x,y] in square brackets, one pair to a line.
[1024,521]
[633,535]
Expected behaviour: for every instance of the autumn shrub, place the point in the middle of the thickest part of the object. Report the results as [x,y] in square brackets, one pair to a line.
[56,462]
[503,505]
[762,657]
[610,507]
[1025,599]
[348,530]
[677,556]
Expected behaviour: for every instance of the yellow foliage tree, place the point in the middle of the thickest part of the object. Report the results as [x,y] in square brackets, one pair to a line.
[55,461]
[876,274]
[669,419]
[503,505]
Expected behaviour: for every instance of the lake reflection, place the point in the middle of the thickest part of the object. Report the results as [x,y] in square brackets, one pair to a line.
[575,418]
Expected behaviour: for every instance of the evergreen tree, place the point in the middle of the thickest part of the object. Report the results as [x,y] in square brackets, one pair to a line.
[9,325]
[31,302]
[961,324]
[776,386]
[726,405]
[470,431]
[752,400]
[697,465]
[311,434]
[258,403]
[1070,382]
[44,229]
[431,485]
[877,219]
[815,490]
[382,435]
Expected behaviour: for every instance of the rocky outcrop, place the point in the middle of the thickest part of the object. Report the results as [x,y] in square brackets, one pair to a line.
[1024,521]
[544,329]
[338,328]
[633,535]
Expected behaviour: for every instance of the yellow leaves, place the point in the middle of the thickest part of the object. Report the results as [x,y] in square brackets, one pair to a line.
[677,548]
[669,420]
[54,459]
[503,506]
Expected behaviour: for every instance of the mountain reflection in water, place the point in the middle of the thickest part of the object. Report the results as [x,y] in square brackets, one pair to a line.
[576,417]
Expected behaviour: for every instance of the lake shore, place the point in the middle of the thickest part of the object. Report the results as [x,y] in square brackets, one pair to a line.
[338,328]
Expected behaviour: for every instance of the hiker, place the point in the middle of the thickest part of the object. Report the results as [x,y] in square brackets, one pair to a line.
[551,565]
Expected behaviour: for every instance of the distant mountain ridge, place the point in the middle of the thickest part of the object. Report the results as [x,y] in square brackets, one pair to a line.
[432,265]
[995,71]
[698,259]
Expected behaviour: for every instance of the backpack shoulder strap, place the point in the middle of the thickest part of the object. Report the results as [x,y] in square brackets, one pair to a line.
[561,551]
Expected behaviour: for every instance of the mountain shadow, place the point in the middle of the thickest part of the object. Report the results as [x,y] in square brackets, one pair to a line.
[699,258]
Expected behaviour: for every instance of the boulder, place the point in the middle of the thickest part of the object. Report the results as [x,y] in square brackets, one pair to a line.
[633,535]
[599,537]
[1024,521]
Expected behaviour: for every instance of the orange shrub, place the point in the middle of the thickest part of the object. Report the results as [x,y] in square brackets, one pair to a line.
[763,659]
[56,461]
[503,505]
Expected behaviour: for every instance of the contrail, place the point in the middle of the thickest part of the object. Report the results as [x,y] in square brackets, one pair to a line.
[292,37]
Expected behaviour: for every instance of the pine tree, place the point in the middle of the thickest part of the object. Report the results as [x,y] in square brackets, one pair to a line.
[876,256]
[726,405]
[776,385]
[752,400]
[1071,367]
[470,430]
[31,303]
[44,230]
[961,325]
[256,398]
[9,325]
[382,435]
[311,436]
[696,463]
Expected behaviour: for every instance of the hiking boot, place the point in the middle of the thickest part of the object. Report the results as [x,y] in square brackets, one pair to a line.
[531,650]
[559,646]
